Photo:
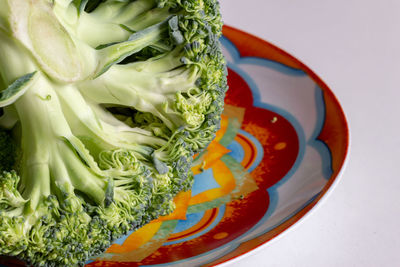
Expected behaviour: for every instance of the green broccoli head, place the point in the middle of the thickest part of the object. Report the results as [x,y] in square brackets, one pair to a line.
[104,105]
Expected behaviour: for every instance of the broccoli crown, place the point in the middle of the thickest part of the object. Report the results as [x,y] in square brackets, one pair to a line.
[104,104]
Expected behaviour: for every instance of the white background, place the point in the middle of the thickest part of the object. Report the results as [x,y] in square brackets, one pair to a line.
[354,46]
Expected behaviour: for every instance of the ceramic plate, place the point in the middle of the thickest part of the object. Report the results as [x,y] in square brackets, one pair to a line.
[282,143]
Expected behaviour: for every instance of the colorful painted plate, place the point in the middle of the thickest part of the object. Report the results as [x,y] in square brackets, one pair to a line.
[282,143]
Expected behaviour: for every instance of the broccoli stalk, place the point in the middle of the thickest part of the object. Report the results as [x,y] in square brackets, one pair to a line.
[104,105]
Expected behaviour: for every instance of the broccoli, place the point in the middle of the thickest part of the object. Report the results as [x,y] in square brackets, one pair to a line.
[104,104]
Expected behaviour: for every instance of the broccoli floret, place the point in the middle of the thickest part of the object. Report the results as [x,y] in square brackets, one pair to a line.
[104,105]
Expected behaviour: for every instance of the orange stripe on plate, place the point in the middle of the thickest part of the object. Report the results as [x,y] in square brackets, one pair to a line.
[136,239]
[181,201]
[224,126]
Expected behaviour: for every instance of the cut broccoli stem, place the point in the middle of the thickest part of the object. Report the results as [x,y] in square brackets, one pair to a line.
[145,101]
[18,64]
[122,12]
[144,91]
[37,187]
[103,25]
[116,53]
[125,127]
[97,32]
[55,50]
[163,63]
[93,185]
[177,80]
[86,124]
[148,19]
[42,148]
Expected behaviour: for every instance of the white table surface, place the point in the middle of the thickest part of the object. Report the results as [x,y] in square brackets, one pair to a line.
[354,46]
